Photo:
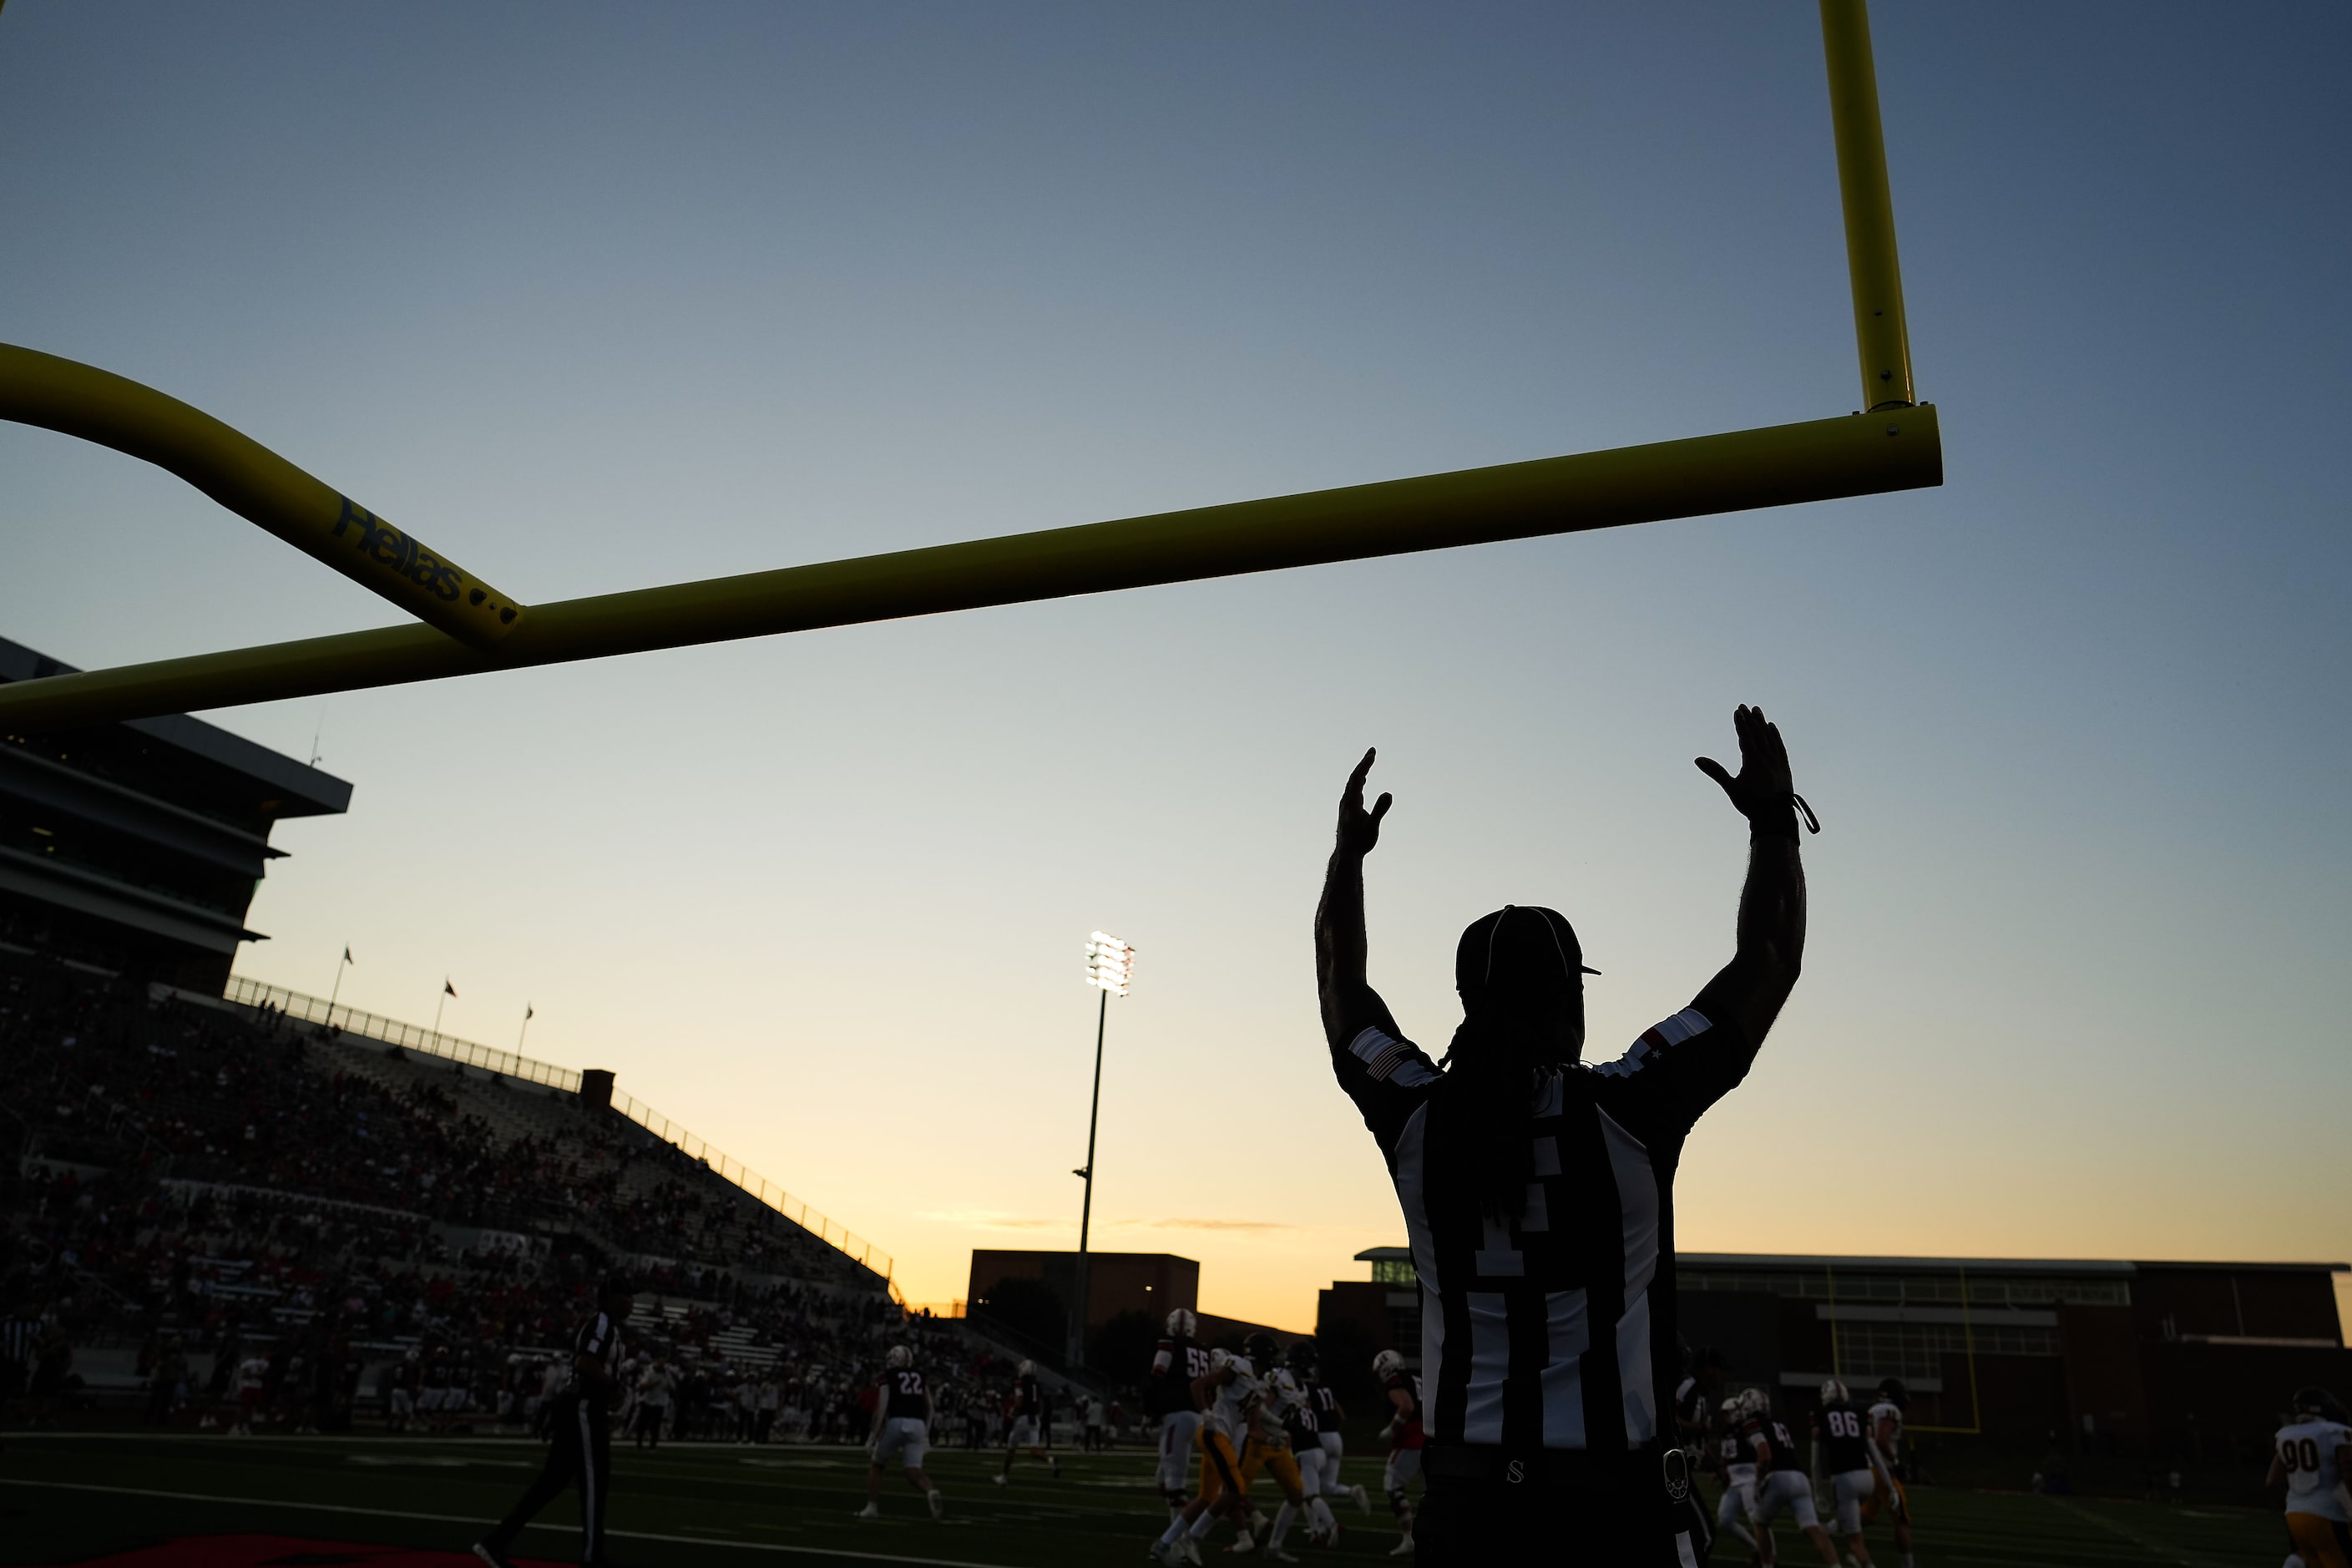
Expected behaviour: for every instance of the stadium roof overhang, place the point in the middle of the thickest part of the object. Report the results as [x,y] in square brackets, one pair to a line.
[149,835]
[271,783]
[88,892]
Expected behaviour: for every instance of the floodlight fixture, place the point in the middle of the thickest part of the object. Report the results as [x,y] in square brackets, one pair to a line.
[1111,963]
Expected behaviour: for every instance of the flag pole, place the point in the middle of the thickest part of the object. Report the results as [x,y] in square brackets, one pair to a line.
[438,1005]
[337,990]
[524,1030]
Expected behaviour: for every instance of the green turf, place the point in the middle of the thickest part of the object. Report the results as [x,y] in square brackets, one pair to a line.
[694,1505]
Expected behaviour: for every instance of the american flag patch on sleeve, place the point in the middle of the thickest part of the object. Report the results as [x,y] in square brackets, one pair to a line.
[1655,1041]
[1385,1056]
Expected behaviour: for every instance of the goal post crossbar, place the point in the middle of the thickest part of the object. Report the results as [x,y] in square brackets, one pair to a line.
[1820,461]
[463,628]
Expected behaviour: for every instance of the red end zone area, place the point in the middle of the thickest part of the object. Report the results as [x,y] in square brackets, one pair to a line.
[283,1552]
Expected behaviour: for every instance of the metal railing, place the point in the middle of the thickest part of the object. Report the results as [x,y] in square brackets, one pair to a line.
[953,1308]
[729,1169]
[251,992]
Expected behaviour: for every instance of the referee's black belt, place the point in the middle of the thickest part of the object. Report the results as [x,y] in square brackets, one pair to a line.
[1540,1467]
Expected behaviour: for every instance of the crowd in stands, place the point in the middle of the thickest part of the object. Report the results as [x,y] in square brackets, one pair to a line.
[292,1236]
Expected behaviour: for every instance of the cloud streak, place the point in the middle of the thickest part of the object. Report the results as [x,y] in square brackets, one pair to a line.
[991,1219]
[997,1219]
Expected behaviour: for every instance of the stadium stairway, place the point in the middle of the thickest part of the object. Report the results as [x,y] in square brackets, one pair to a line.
[720,1223]
[726,1226]
[666,1316]
[511,1112]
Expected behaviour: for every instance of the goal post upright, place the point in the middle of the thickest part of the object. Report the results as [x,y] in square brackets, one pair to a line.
[255,483]
[1882,336]
[1894,444]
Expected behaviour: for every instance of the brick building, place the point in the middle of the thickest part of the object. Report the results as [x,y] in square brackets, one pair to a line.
[2123,1356]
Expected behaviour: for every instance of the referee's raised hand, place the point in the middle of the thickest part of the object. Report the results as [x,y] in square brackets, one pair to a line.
[1360,829]
[1764,793]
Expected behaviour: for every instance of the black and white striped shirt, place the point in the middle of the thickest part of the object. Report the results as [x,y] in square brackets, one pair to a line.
[1556,1329]
[599,1338]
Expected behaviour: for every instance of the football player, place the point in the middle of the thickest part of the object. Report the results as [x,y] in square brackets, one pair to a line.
[1405,1437]
[902,1430]
[2311,1465]
[1026,1428]
[1695,1398]
[1735,1463]
[1279,1404]
[1328,1414]
[1842,1454]
[1318,1474]
[1886,1458]
[1227,1392]
[1782,1483]
[1178,1362]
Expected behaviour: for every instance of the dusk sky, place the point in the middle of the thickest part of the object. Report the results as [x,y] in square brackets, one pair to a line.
[593,297]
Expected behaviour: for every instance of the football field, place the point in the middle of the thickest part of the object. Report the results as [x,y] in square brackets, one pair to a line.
[176,1501]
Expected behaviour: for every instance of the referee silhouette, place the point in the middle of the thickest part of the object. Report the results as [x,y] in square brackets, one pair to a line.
[579,1452]
[1538,1194]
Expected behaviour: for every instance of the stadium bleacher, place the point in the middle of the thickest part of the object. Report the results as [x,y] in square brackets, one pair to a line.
[204,1196]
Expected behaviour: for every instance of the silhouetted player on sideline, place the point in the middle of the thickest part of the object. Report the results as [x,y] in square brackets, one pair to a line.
[1885,1419]
[902,1430]
[1027,1425]
[1538,1195]
[1841,1460]
[1177,1362]
[2311,1468]
[581,1452]
[1407,1437]
[1695,1429]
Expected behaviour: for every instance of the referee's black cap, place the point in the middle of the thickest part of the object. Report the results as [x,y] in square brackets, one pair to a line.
[1517,946]
[615,1284]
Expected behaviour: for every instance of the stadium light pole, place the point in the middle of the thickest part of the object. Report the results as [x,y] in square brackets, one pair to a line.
[1111,968]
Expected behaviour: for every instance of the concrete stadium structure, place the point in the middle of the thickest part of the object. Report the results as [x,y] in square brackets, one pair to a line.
[133,848]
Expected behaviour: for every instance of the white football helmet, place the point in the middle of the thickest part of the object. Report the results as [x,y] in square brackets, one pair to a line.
[1027,1369]
[1833,1391]
[1220,1359]
[901,1355]
[1756,1403]
[1735,1406]
[1182,1323]
[2312,1400]
[1386,1362]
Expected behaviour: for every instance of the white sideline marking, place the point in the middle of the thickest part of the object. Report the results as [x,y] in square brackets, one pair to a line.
[461,1519]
